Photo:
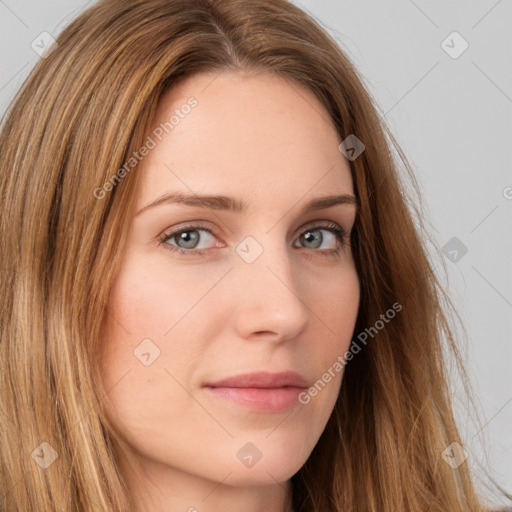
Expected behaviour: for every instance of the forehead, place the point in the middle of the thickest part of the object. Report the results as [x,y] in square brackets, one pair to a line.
[244,135]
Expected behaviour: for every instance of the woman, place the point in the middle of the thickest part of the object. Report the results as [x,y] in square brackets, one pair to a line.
[215,294]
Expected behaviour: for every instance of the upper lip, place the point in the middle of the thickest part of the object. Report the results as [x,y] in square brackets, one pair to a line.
[262,379]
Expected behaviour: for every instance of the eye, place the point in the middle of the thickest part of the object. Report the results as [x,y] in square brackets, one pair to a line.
[313,238]
[188,239]
[195,239]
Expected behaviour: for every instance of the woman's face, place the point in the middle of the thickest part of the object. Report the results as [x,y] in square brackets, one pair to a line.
[261,289]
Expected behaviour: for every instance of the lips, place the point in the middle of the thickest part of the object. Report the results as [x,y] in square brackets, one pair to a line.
[266,380]
[261,391]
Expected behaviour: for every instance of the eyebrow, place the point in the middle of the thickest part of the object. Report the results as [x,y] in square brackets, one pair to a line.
[220,202]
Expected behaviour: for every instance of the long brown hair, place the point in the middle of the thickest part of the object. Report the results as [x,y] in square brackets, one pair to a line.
[84,109]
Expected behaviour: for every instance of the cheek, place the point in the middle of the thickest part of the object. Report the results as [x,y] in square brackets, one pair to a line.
[154,331]
[335,308]
[155,300]
[141,367]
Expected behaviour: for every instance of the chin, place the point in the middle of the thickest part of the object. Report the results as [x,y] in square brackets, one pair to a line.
[261,475]
[267,461]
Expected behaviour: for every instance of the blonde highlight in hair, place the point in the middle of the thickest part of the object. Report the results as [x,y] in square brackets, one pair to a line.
[83,110]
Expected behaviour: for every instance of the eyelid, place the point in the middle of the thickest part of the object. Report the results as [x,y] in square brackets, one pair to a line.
[188,226]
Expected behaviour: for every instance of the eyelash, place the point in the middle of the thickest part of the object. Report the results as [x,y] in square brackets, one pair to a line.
[341,236]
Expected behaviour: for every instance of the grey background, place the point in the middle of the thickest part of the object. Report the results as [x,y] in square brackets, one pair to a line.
[451,117]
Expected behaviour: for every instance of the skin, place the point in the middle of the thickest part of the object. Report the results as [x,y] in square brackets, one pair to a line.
[271,144]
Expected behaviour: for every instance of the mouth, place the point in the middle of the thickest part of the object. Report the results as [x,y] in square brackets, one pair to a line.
[260,391]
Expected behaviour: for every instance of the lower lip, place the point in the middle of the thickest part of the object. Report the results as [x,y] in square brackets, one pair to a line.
[260,399]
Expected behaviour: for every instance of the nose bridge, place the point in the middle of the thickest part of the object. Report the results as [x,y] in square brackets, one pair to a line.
[269,289]
[267,258]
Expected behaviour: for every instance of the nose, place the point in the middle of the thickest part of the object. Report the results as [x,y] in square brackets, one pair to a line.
[268,296]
